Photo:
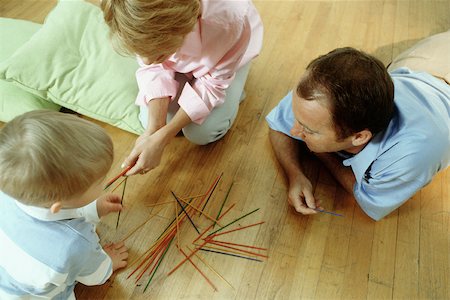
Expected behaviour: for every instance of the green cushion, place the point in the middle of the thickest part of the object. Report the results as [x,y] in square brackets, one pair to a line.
[13,100]
[70,61]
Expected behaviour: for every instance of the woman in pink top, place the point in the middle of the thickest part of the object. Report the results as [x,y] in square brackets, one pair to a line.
[194,58]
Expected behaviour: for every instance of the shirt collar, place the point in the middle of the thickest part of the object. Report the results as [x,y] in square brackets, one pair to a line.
[44,214]
[362,160]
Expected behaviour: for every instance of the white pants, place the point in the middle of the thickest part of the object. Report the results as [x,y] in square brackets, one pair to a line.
[221,117]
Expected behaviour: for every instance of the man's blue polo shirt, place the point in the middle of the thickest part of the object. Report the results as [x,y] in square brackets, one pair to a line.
[399,161]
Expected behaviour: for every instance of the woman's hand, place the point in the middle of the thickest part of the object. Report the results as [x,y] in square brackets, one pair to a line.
[147,152]
[149,147]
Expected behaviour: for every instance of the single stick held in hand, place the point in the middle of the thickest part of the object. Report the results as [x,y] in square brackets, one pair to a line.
[328,212]
[117,177]
[121,200]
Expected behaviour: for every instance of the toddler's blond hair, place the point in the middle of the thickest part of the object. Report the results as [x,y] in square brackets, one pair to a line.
[152,29]
[48,156]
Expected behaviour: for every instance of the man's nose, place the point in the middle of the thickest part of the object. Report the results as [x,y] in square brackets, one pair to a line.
[297,131]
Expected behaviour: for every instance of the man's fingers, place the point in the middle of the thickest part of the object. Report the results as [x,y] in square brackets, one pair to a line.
[309,199]
[300,207]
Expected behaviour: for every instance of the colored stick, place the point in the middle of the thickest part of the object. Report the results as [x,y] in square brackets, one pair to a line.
[209,197]
[195,266]
[211,226]
[187,215]
[212,269]
[237,249]
[223,203]
[178,228]
[218,248]
[117,186]
[121,200]
[209,190]
[159,263]
[195,208]
[241,245]
[117,177]
[137,228]
[247,214]
[230,254]
[158,204]
[328,212]
[236,229]
[184,260]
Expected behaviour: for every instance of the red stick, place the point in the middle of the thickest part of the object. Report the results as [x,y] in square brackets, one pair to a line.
[204,276]
[209,190]
[187,257]
[237,249]
[237,229]
[117,177]
[159,251]
[239,245]
[212,225]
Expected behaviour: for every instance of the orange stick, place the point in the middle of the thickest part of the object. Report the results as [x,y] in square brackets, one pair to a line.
[117,177]
[237,229]
[178,228]
[193,207]
[168,231]
[187,257]
[211,226]
[157,204]
[240,245]
[204,276]
[212,269]
[237,249]
[118,185]
[209,190]
[192,197]
[159,253]
[137,228]
[220,249]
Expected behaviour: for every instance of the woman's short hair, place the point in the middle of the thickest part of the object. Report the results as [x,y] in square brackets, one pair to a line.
[358,88]
[153,29]
[48,156]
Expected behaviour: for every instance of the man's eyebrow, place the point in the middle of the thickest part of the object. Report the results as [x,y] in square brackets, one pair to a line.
[304,126]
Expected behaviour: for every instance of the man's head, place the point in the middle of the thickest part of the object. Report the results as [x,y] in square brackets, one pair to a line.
[48,157]
[345,95]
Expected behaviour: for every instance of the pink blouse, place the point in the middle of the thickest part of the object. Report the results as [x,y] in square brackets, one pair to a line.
[227,36]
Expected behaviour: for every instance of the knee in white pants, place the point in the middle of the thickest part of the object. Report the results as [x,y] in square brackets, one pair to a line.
[202,134]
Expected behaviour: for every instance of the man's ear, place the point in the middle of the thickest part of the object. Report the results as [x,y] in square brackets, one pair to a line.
[361,138]
[56,207]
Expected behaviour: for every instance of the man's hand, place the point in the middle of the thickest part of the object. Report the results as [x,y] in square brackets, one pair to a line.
[300,196]
[108,203]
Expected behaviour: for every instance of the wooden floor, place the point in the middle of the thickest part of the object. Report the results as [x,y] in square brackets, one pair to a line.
[404,256]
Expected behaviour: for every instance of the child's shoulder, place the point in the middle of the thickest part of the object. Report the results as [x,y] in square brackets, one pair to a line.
[231,11]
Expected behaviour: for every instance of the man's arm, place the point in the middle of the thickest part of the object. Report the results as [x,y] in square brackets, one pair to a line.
[287,152]
[344,175]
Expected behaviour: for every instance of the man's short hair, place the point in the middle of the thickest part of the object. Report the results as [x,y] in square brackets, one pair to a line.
[358,87]
[48,156]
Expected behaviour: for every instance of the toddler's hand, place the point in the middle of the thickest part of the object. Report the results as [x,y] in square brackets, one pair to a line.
[118,253]
[108,203]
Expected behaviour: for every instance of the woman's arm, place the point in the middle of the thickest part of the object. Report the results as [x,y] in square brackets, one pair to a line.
[149,147]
